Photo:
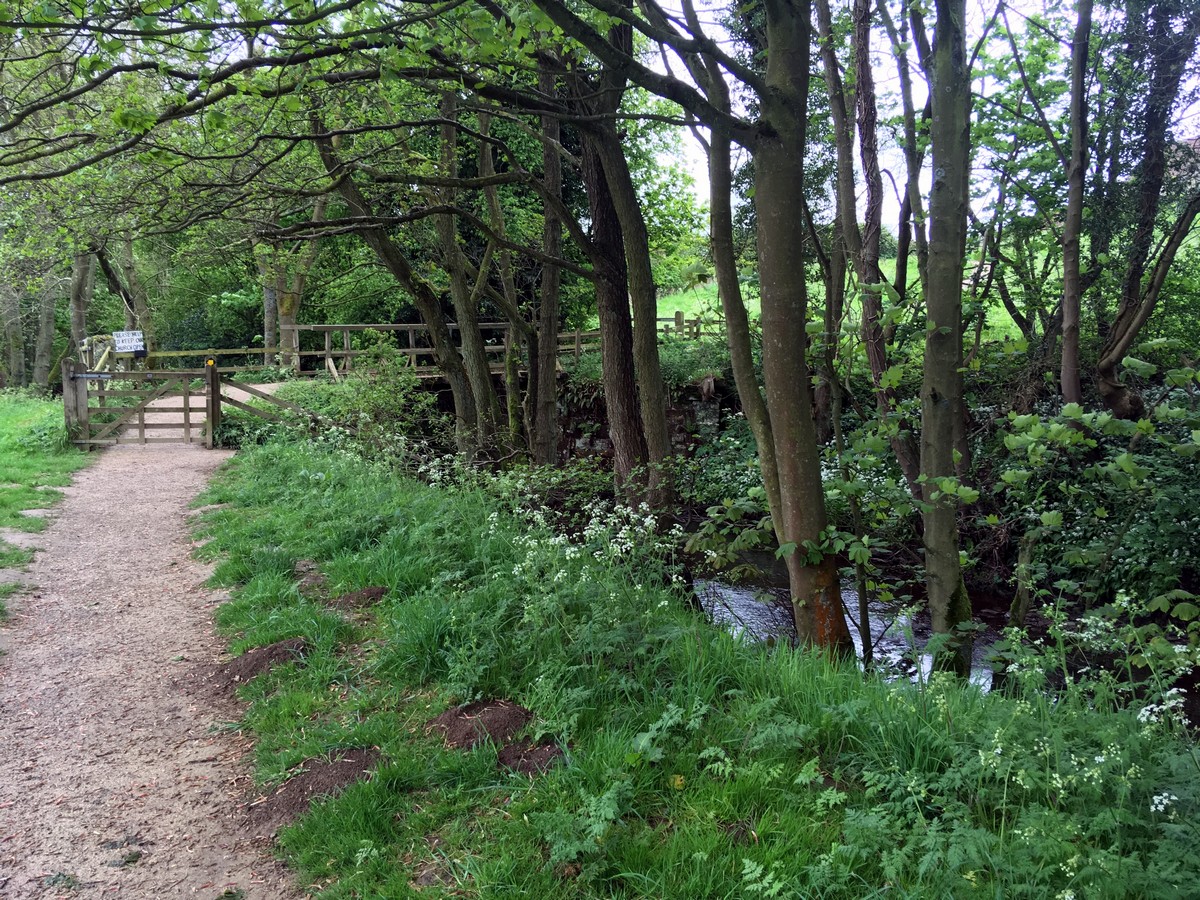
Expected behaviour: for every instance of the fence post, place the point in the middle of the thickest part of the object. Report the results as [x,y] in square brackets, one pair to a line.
[74,402]
[347,362]
[212,401]
[680,328]
[578,344]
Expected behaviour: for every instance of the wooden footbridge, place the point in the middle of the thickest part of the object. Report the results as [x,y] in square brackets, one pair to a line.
[411,340]
[178,396]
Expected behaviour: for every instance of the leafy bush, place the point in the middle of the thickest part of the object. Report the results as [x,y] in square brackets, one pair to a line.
[384,397]
[1111,505]
[381,412]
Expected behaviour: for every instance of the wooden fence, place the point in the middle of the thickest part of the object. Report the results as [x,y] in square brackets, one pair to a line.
[144,407]
[176,406]
[338,353]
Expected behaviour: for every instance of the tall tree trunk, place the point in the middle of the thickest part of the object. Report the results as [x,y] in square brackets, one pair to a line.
[616,326]
[466,309]
[83,283]
[942,390]
[912,208]
[778,197]
[737,321]
[602,100]
[43,350]
[545,431]
[830,389]
[1072,390]
[521,334]
[643,295]
[270,321]
[263,260]
[1171,49]
[709,75]
[862,244]
[287,304]
[138,297]
[116,284]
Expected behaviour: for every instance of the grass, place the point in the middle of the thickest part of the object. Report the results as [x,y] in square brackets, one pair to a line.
[8,589]
[35,458]
[696,765]
[703,301]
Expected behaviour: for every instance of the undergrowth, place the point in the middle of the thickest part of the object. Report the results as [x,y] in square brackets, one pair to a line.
[696,765]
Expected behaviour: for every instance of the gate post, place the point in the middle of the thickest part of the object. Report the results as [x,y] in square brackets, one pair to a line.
[75,408]
[212,402]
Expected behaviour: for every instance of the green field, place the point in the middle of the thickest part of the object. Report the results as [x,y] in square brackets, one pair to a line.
[703,302]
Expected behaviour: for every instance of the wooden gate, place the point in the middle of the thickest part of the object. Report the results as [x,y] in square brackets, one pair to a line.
[147,407]
[176,406]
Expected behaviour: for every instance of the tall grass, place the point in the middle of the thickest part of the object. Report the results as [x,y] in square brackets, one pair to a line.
[696,765]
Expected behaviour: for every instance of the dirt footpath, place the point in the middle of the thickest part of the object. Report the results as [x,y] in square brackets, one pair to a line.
[114,780]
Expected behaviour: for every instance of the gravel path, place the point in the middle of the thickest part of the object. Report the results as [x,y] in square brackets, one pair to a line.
[113,780]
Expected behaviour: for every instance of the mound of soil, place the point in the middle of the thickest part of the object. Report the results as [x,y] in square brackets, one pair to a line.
[529,758]
[367,596]
[314,779]
[468,725]
[228,676]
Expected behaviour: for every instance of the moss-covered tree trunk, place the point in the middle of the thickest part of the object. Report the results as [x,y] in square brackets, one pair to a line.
[83,285]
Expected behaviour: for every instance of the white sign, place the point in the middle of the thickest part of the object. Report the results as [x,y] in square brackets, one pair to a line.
[128,341]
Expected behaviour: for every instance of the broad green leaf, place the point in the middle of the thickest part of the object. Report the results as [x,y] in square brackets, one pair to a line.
[1052,518]
[1140,367]
[1185,612]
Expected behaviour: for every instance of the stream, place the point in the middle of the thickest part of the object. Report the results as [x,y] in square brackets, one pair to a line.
[763,614]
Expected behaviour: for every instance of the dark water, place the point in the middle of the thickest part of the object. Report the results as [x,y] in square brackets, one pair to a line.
[897,638]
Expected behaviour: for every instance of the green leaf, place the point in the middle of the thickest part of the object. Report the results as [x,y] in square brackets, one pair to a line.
[1052,518]
[891,378]
[1185,612]
[1140,367]
[785,549]
[810,773]
[1072,411]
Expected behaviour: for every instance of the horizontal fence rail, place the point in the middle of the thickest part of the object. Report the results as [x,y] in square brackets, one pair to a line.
[338,355]
[144,407]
